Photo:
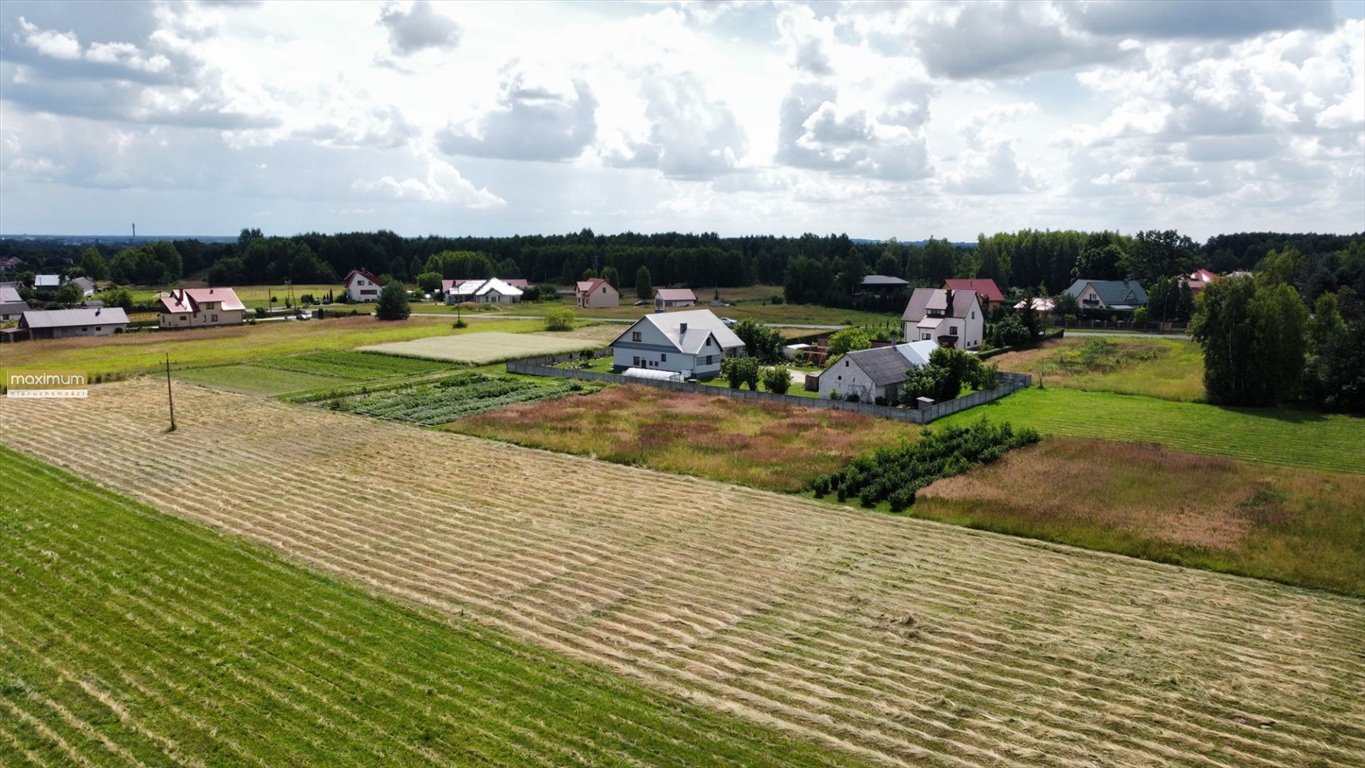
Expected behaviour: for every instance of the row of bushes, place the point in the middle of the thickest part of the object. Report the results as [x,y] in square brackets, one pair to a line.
[895,474]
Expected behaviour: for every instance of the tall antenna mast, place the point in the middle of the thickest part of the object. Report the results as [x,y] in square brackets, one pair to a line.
[134,231]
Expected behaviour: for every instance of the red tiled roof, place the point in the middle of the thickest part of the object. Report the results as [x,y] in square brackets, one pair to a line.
[189,299]
[363,273]
[986,289]
[588,286]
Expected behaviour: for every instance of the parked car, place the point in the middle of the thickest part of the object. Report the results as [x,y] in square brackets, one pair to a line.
[729,321]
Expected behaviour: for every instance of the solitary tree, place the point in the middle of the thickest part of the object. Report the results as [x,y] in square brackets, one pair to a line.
[644,286]
[393,302]
[848,340]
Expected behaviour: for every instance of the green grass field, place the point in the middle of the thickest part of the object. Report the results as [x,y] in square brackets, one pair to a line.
[1327,442]
[134,638]
[135,353]
[1171,369]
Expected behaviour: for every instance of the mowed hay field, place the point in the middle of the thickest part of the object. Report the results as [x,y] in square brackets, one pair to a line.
[133,638]
[898,640]
[488,347]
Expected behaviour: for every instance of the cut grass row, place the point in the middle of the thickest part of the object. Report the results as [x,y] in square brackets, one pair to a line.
[131,637]
[897,639]
[1326,442]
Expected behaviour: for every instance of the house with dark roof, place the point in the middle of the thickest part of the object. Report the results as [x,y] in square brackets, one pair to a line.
[200,307]
[668,298]
[12,305]
[1111,295]
[874,373]
[986,290]
[61,323]
[881,284]
[691,343]
[596,293]
[361,285]
[950,318]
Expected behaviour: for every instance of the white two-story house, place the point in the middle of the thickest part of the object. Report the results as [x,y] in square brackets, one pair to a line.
[691,343]
[951,318]
[360,285]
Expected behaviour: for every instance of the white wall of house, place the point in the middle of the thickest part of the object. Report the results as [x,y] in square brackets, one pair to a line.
[362,289]
[645,346]
[969,331]
[600,297]
[106,329]
[208,315]
[844,377]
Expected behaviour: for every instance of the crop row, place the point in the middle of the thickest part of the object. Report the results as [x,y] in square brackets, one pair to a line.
[453,398]
[895,639]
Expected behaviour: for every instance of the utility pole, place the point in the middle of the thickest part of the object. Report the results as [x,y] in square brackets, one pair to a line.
[169,399]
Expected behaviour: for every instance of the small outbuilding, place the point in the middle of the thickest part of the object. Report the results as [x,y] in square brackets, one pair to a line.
[63,323]
[670,298]
[596,293]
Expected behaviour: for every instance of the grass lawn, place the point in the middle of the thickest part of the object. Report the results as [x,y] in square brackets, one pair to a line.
[486,347]
[133,637]
[134,353]
[1171,369]
[777,448]
[1327,442]
[1291,525]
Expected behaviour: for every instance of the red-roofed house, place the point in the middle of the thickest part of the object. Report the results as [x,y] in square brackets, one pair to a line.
[986,290]
[1197,280]
[595,294]
[360,285]
[199,307]
[667,298]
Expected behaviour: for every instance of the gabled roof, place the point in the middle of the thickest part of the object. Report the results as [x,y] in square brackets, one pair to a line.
[1114,293]
[480,287]
[883,365]
[588,286]
[190,299]
[925,299]
[917,352]
[47,281]
[8,295]
[675,294]
[701,325]
[517,282]
[85,283]
[66,318]
[362,273]
[986,289]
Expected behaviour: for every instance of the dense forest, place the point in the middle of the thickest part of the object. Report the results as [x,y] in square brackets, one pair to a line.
[811,268]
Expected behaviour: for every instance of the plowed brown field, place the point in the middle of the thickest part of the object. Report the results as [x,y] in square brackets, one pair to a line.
[902,640]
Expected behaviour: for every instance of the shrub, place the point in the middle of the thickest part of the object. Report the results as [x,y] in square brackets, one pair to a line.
[260,312]
[307,298]
[739,371]
[778,299]
[848,340]
[459,323]
[852,397]
[777,379]
[393,302]
[559,319]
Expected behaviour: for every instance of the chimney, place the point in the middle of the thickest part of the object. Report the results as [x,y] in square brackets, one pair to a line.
[682,328]
[948,301]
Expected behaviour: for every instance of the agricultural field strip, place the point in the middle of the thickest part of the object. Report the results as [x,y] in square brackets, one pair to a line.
[1330,442]
[485,347]
[814,663]
[190,575]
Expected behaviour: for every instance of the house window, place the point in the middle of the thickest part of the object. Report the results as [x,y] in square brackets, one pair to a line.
[973,314]
[953,330]
[636,361]
[708,359]
[635,336]
[97,328]
[84,329]
[183,318]
[663,356]
[215,318]
[924,337]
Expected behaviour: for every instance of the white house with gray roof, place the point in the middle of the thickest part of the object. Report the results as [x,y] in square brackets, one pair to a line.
[951,318]
[876,372]
[690,343]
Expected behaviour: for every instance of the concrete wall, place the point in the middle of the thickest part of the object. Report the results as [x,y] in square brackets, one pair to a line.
[1009,383]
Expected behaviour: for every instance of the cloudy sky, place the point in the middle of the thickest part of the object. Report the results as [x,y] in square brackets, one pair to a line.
[878,120]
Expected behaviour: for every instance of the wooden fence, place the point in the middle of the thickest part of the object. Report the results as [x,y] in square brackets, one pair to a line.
[1007,383]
